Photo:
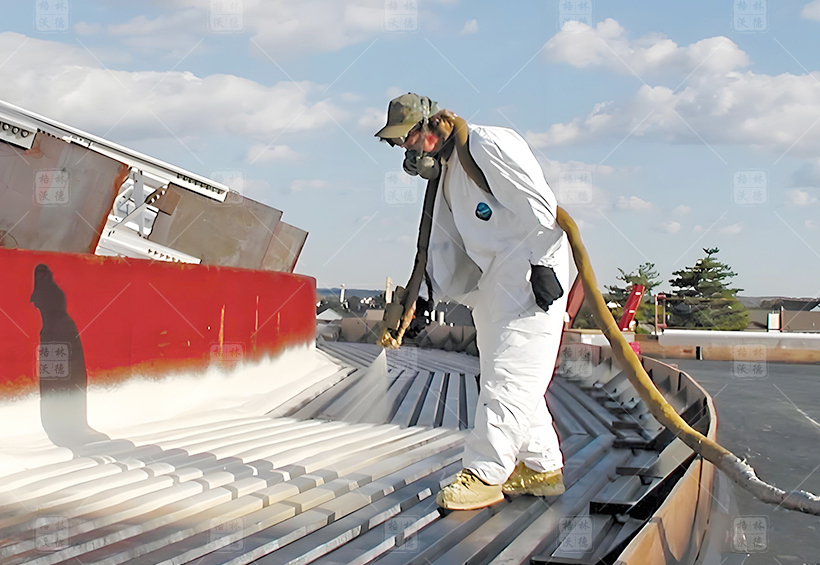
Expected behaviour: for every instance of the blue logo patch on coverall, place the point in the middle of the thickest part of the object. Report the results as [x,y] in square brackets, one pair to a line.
[483,211]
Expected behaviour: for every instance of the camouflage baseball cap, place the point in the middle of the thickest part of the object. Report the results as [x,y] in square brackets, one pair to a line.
[404,113]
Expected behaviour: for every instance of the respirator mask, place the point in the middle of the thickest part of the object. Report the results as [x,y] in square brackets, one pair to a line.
[419,162]
[419,109]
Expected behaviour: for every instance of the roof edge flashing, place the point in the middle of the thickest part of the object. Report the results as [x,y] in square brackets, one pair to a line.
[186,179]
[16,130]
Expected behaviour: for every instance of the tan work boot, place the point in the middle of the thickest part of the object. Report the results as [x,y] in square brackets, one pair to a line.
[526,481]
[468,492]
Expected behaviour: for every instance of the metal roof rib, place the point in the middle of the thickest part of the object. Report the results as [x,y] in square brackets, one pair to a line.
[325,479]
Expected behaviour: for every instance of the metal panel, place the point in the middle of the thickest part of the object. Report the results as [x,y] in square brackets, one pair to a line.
[471,390]
[432,401]
[235,233]
[56,196]
[413,399]
[285,246]
[260,489]
[451,403]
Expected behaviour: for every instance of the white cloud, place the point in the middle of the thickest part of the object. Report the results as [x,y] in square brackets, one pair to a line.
[724,106]
[577,186]
[698,228]
[372,119]
[607,45]
[470,27]
[254,188]
[634,204]
[85,28]
[808,174]
[280,28]
[553,169]
[172,34]
[556,135]
[295,26]
[800,197]
[671,227]
[299,185]
[351,97]
[733,229]
[811,11]
[681,210]
[811,224]
[66,83]
[263,153]
[144,26]
[394,92]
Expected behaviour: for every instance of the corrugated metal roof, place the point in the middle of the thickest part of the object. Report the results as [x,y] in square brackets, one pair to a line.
[346,471]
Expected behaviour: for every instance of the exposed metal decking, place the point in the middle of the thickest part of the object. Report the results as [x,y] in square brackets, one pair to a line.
[345,472]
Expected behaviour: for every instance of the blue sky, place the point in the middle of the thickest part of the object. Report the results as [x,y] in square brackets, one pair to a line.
[667,107]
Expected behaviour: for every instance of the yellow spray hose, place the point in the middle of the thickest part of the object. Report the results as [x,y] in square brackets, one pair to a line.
[734,468]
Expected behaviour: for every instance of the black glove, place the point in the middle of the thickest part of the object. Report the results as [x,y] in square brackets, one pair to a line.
[419,320]
[545,286]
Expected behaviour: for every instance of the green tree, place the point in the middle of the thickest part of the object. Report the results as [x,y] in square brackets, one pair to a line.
[703,298]
[646,275]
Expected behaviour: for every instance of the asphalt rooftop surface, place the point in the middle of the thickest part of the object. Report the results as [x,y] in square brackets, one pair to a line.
[774,422]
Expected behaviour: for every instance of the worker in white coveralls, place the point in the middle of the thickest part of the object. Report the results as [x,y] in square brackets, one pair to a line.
[494,245]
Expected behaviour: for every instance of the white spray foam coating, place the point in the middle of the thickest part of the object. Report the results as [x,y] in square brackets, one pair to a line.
[142,405]
[195,395]
[21,417]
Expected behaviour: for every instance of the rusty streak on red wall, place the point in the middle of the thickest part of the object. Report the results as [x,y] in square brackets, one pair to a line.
[149,318]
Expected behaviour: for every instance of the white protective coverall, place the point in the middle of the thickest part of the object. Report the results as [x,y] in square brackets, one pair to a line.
[485,263]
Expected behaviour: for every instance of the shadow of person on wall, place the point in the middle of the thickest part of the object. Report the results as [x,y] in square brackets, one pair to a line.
[61,368]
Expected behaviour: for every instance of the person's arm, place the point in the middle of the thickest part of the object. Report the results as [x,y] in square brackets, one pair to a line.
[397,317]
[516,180]
[509,171]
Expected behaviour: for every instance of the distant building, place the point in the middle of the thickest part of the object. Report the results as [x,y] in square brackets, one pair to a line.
[328,315]
[802,319]
[374,314]
[455,313]
[796,314]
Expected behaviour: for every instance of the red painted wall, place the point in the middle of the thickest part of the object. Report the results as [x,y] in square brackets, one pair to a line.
[150,318]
